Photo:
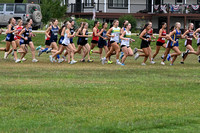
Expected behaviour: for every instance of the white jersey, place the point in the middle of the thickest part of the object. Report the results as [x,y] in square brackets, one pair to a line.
[66,40]
[126,42]
[116,33]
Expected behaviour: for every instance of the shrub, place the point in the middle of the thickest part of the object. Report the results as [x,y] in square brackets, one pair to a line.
[131,20]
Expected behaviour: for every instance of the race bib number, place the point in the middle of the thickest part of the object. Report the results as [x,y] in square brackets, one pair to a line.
[163,39]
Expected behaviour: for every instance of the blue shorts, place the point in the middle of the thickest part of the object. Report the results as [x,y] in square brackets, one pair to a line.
[71,40]
[61,40]
[102,43]
[175,44]
[10,37]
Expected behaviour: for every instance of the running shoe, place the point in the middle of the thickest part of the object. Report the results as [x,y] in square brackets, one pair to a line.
[123,64]
[181,62]
[51,58]
[90,61]
[17,61]
[137,56]
[49,50]
[40,52]
[6,55]
[34,60]
[23,59]
[118,63]
[103,60]
[64,57]
[135,50]
[91,51]
[162,63]
[38,48]
[82,60]
[60,60]
[171,64]
[143,64]
[72,62]
[110,62]
[168,57]
[153,62]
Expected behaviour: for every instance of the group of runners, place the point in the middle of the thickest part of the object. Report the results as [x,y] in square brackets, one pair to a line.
[114,41]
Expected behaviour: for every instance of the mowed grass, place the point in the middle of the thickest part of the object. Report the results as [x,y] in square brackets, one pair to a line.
[90,97]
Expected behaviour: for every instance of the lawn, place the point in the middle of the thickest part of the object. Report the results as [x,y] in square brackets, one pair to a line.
[90,97]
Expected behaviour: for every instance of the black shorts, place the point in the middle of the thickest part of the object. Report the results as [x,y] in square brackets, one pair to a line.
[83,43]
[159,43]
[94,41]
[112,42]
[198,44]
[124,46]
[47,42]
[144,44]
[102,43]
[29,39]
[53,40]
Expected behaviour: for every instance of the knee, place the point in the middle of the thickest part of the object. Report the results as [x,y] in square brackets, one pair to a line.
[179,53]
[130,54]
[147,54]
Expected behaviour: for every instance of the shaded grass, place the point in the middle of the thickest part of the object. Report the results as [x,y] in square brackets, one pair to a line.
[90,97]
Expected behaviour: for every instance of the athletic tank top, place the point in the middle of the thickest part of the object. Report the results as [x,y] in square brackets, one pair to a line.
[176,36]
[116,33]
[26,33]
[96,38]
[190,35]
[127,35]
[48,38]
[103,34]
[54,33]
[72,30]
[66,39]
[19,29]
[162,39]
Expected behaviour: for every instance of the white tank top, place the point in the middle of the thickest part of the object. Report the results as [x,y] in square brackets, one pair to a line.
[66,40]
[127,35]
[116,33]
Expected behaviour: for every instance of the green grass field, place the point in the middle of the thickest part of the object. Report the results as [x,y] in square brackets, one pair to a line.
[90,97]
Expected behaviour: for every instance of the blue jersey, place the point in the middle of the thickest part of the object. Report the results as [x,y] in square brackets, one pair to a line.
[54,34]
[103,34]
[176,37]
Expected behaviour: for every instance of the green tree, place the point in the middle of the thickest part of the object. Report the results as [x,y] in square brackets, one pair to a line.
[130,19]
[52,9]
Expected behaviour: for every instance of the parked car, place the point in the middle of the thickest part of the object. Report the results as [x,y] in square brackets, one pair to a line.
[22,11]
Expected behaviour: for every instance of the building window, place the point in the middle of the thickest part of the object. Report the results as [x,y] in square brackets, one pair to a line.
[118,3]
[89,3]
[179,1]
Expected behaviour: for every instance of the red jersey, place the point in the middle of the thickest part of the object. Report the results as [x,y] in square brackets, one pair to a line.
[162,39]
[48,38]
[96,38]
[19,29]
